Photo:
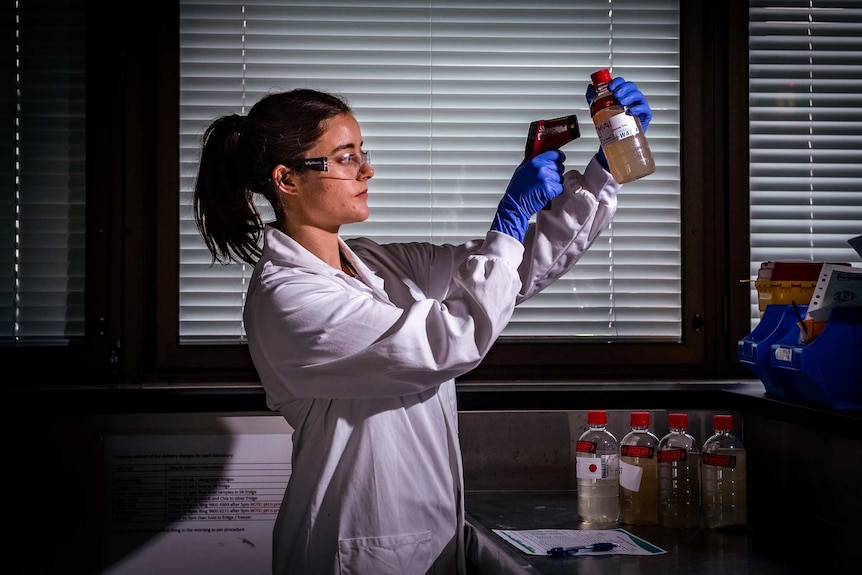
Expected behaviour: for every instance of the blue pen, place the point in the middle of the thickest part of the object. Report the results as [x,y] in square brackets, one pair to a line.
[564,551]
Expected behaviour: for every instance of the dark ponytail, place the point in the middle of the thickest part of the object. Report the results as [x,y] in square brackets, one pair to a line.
[237,156]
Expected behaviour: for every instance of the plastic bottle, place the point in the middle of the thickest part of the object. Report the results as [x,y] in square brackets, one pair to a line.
[638,477]
[723,472]
[678,476]
[598,472]
[621,136]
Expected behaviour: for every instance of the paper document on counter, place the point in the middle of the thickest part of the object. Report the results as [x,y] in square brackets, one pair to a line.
[539,541]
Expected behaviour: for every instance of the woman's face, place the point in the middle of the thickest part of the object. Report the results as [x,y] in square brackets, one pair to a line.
[329,199]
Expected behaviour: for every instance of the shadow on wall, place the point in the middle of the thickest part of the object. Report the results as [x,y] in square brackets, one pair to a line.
[77,507]
[54,498]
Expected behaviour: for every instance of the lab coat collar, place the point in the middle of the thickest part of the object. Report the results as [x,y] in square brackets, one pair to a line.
[283,250]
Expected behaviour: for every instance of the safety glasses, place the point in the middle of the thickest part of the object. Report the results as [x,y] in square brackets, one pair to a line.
[343,167]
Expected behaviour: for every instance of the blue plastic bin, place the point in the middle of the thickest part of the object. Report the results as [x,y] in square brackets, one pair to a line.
[755,348]
[826,372]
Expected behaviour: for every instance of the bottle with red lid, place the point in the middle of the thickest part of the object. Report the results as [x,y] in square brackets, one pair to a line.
[638,476]
[723,484]
[597,461]
[621,135]
[678,476]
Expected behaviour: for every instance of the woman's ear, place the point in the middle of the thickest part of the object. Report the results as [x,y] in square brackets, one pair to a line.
[284,178]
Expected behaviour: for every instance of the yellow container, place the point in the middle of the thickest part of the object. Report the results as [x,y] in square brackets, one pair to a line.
[783,293]
[786,282]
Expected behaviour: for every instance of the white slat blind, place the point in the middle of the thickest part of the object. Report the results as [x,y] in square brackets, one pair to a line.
[445,91]
[805,86]
[42,218]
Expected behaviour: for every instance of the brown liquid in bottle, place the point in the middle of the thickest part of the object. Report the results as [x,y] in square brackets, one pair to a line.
[621,136]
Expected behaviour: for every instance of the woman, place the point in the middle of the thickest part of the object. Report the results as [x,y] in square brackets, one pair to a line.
[358,344]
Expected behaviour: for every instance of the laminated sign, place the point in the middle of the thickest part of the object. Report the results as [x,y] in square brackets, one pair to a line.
[838,286]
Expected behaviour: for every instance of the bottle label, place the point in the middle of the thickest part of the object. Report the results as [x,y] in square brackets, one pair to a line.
[585,447]
[630,476]
[604,467]
[617,128]
[671,455]
[718,460]
[637,451]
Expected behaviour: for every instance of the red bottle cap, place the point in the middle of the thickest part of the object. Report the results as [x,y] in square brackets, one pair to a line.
[722,422]
[602,76]
[597,417]
[640,419]
[677,420]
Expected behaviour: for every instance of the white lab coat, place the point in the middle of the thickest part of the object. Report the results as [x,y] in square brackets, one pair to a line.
[363,370]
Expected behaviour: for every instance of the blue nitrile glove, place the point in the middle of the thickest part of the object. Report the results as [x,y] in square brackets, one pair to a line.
[630,97]
[633,99]
[535,183]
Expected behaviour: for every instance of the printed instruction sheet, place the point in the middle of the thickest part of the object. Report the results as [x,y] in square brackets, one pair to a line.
[193,504]
[539,541]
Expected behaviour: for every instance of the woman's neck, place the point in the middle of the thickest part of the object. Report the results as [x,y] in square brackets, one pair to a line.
[321,243]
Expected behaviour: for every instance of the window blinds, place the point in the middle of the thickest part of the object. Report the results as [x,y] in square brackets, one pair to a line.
[445,91]
[42,195]
[805,90]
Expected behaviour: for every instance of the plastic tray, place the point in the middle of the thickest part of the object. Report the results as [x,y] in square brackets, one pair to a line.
[754,349]
[826,372]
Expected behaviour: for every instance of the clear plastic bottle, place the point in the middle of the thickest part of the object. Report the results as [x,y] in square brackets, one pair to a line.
[621,136]
[678,476]
[723,472]
[598,472]
[638,477]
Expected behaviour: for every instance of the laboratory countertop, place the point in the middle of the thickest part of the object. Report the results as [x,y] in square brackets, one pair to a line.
[748,396]
[701,551]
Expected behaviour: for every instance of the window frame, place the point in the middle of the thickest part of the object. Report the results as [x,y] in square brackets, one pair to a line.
[133,181]
[89,360]
[546,359]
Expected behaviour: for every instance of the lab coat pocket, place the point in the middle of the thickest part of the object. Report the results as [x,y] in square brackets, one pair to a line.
[391,555]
